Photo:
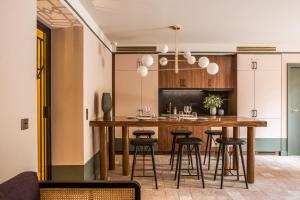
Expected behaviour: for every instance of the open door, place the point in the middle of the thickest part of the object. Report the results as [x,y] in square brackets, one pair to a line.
[43,102]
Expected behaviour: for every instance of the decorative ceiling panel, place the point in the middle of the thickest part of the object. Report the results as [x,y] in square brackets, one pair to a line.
[55,14]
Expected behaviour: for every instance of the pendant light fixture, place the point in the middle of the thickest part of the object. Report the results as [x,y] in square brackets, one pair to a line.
[203,62]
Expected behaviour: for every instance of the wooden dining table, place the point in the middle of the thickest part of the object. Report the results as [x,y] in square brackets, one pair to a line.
[106,127]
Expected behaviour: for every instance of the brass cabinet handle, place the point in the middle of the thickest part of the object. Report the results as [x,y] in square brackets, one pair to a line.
[254,65]
[254,113]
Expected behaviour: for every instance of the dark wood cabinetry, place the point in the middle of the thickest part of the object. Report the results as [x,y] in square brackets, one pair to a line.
[192,76]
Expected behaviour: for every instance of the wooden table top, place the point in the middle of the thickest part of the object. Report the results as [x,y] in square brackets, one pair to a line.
[208,121]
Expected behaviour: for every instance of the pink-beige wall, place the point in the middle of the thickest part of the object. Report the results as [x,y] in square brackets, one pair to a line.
[67,96]
[97,78]
[286,58]
[18,149]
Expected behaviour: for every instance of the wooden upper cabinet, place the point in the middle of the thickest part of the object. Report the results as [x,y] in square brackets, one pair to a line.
[191,76]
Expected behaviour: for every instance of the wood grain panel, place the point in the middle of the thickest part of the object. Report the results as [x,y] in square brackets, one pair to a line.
[195,77]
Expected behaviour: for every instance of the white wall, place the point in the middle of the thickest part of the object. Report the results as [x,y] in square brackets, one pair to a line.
[97,78]
[18,149]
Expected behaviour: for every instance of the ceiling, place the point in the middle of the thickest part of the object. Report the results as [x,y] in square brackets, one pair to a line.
[240,22]
[55,15]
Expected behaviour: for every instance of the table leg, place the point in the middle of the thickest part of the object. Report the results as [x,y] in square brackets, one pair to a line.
[103,154]
[227,161]
[111,144]
[251,154]
[236,135]
[125,142]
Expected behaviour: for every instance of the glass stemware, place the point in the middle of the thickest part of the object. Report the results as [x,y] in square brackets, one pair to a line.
[185,109]
[189,110]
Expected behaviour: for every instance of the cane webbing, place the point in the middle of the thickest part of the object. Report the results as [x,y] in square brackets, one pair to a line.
[87,194]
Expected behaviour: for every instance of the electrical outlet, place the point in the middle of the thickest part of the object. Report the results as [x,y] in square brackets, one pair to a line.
[24,124]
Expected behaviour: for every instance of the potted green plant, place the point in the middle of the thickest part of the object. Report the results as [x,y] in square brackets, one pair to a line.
[212,102]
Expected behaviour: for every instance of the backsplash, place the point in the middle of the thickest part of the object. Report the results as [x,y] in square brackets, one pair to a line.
[194,98]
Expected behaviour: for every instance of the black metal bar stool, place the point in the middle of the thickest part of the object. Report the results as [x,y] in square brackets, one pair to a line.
[236,143]
[210,138]
[143,134]
[176,133]
[144,142]
[193,141]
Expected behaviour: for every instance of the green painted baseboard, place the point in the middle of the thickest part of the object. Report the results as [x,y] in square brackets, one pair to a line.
[89,171]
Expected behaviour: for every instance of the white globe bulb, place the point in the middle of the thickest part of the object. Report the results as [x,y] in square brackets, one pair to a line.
[163,61]
[147,60]
[203,62]
[187,54]
[163,48]
[142,71]
[212,68]
[191,60]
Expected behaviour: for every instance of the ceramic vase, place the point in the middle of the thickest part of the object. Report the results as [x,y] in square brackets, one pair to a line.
[213,111]
[106,105]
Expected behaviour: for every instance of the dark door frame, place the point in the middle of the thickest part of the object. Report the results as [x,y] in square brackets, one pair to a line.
[47,110]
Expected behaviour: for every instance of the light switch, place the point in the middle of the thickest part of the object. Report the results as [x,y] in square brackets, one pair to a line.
[24,124]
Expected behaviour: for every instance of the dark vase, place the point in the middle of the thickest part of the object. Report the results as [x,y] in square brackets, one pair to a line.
[106,105]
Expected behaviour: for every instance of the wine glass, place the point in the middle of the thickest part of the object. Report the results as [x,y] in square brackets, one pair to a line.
[147,109]
[189,109]
[185,109]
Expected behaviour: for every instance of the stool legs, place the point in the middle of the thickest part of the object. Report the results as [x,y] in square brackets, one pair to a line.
[153,164]
[179,164]
[243,163]
[222,150]
[237,162]
[206,148]
[133,162]
[223,163]
[173,151]
[200,164]
[180,161]
[190,155]
[218,158]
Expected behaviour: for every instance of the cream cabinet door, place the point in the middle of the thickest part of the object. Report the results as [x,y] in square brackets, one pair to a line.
[273,129]
[268,61]
[128,88]
[245,93]
[268,93]
[150,91]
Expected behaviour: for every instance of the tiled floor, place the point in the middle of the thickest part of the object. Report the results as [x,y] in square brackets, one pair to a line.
[276,178]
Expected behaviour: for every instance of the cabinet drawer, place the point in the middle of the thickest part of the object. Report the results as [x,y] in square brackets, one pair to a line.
[265,61]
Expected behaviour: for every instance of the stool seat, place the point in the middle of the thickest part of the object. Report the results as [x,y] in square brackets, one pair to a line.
[213,132]
[181,132]
[231,141]
[147,133]
[143,141]
[190,140]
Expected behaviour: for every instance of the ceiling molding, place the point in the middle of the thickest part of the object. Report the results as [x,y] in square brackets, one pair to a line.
[55,15]
[83,15]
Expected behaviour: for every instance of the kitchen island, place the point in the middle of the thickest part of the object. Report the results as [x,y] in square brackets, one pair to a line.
[212,121]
